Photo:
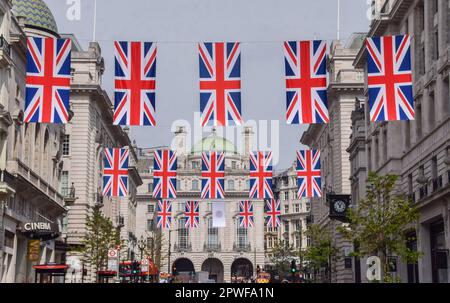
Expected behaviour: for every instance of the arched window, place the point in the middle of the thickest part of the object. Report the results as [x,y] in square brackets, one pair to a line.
[194,184]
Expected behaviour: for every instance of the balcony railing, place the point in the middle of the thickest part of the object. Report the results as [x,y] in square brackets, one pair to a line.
[184,247]
[437,183]
[242,247]
[5,52]
[212,247]
[423,192]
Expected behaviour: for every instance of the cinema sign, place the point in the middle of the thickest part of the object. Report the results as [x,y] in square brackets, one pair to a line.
[37,226]
[40,230]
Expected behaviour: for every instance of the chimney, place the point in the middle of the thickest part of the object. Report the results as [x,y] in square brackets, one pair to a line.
[248,140]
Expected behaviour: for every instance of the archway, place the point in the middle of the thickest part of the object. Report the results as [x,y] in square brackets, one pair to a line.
[215,269]
[241,269]
[183,265]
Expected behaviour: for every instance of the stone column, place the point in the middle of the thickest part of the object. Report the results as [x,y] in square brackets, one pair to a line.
[423,245]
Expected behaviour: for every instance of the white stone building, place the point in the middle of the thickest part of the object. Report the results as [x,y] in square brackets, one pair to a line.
[345,85]
[418,151]
[30,159]
[222,252]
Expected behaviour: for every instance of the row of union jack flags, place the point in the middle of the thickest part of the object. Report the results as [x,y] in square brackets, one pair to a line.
[192,214]
[389,81]
[115,174]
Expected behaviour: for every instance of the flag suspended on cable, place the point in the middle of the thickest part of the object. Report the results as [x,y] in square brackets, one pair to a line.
[165,174]
[308,174]
[115,172]
[389,78]
[192,214]
[273,213]
[164,214]
[213,175]
[261,175]
[135,83]
[220,84]
[47,80]
[306,82]
[246,214]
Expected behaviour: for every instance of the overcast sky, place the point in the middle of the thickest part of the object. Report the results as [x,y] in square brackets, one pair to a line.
[261,26]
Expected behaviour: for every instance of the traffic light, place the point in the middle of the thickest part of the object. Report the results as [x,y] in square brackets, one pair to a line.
[293,267]
[135,267]
[258,269]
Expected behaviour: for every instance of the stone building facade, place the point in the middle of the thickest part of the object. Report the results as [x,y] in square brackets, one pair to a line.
[418,151]
[222,252]
[87,134]
[294,215]
[30,154]
[346,84]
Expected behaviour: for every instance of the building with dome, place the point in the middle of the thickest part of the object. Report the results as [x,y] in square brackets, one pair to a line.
[221,252]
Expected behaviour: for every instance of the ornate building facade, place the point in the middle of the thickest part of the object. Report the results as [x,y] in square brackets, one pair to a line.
[222,252]
[30,154]
[346,84]
[418,151]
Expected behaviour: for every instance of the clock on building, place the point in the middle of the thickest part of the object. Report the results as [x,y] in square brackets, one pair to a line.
[338,206]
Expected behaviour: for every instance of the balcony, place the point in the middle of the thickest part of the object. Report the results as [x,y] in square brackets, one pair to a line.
[26,177]
[242,247]
[5,52]
[212,247]
[184,247]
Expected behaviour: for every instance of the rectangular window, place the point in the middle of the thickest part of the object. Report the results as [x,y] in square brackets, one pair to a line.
[297,208]
[213,236]
[286,209]
[151,208]
[150,187]
[183,234]
[66,145]
[149,225]
[241,236]
[64,183]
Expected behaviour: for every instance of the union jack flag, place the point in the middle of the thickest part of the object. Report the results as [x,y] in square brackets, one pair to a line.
[164,214]
[308,174]
[213,175]
[220,83]
[261,175]
[48,80]
[135,83]
[246,214]
[306,82]
[273,213]
[192,214]
[115,172]
[390,78]
[165,174]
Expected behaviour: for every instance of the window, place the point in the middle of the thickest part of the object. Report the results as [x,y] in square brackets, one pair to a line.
[194,165]
[431,111]
[286,196]
[298,225]
[150,225]
[213,235]
[194,184]
[418,121]
[298,242]
[286,209]
[66,145]
[230,185]
[150,187]
[286,227]
[241,236]
[183,234]
[434,167]
[233,165]
[151,208]
[64,183]
[297,208]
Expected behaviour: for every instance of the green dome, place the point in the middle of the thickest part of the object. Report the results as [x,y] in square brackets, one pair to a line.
[37,14]
[214,142]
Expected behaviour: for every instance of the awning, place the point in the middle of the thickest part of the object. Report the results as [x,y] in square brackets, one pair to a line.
[51,268]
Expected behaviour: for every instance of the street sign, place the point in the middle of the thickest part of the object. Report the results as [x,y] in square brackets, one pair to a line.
[34,249]
[112,254]
[113,262]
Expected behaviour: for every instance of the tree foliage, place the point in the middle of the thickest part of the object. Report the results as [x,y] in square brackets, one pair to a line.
[101,235]
[281,256]
[380,222]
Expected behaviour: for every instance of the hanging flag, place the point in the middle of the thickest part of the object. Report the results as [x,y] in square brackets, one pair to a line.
[218,212]
[135,83]
[213,175]
[306,82]
[246,214]
[164,214]
[273,213]
[165,174]
[220,84]
[261,175]
[389,78]
[115,172]
[308,174]
[47,80]
[192,214]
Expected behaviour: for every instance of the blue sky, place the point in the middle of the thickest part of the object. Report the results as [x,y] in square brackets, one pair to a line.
[177,25]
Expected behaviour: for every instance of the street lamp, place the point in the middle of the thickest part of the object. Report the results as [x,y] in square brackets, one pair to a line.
[141,245]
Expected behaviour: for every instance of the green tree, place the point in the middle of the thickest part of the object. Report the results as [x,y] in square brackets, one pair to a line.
[154,249]
[101,235]
[281,256]
[379,223]
[320,251]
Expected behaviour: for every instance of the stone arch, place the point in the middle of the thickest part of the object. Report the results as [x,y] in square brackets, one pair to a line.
[242,268]
[215,268]
[183,265]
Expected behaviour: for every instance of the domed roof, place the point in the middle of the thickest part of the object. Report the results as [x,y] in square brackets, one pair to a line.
[37,14]
[214,143]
